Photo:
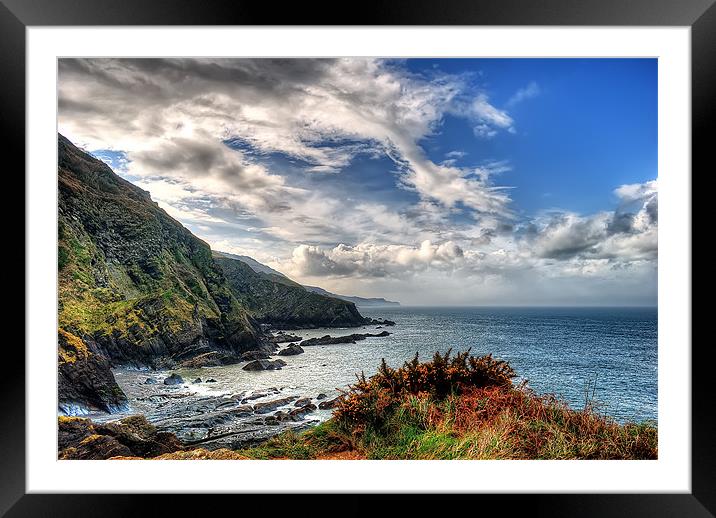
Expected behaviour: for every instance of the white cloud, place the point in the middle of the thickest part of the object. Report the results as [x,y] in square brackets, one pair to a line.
[151,108]
[458,236]
[636,191]
[528,92]
[488,118]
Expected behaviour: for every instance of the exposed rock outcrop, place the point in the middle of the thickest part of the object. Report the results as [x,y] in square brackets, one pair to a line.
[264,365]
[173,379]
[291,350]
[348,339]
[281,337]
[254,355]
[134,436]
[379,321]
[135,286]
[85,381]
[283,304]
[328,404]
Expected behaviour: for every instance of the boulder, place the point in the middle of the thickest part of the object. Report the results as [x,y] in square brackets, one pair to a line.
[174,379]
[321,396]
[379,321]
[256,365]
[150,381]
[331,403]
[291,350]
[132,436]
[347,339]
[197,380]
[303,401]
[96,447]
[282,337]
[209,359]
[297,414]
[280,415]
[264,365]
[85,381]
[211,380]
[254,355]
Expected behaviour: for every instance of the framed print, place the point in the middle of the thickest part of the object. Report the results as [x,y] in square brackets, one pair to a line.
[443,249]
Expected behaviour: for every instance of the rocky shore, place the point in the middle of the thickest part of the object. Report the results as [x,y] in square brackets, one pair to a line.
[182,411]
[193,419]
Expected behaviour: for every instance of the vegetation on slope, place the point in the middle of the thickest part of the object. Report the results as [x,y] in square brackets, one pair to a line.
[135,286]
[283,303]
[459,408]
[128,270]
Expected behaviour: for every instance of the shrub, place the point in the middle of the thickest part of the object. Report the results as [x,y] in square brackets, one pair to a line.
[370,400]
[467,408]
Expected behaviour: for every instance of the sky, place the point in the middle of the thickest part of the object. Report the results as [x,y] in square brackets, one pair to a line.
[427,181]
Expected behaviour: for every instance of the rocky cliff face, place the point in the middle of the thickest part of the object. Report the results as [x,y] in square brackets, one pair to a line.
[285,304]
[135,286]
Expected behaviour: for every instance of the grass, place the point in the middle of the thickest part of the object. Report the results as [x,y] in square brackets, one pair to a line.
[460,407]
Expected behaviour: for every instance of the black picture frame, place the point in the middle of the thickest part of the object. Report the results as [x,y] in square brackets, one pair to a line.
[700,15]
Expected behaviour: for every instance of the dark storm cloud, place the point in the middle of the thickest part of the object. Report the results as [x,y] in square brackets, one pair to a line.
[652,209]
[620,223]
[154,80]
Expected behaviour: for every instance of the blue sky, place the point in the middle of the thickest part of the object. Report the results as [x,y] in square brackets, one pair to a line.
[430,181]
[593,125]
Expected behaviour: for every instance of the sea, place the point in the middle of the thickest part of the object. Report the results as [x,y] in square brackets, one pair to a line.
[606,356]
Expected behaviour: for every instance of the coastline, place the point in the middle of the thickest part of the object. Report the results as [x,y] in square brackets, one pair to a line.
[449,407]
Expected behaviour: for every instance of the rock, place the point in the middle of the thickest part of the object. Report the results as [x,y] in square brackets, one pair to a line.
[331,403]
[291,350]
[255,395]
[254,355]
[280,415]
[298,414]
[197,380]
[379,321]
[150,381]
[256,365]
[268,406]
[303,401]
[174,379]
[132,436]
[85,380]
[96,447]
[264,365]
[282,337]
[211,380]
[321,396]
[209,359]
[71,430]
[347,339]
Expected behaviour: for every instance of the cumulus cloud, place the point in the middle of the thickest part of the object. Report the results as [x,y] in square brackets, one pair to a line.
[637,191]
[369,260]
[619,235]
